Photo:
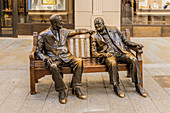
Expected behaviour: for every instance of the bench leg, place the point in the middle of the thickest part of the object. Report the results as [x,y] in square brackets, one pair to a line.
[139,57]
[128,73]
[32,81]
[141,70]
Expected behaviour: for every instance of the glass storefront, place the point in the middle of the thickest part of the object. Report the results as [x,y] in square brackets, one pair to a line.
[23,17]
[39,11]
[146,12]
[153,13]
[7,20]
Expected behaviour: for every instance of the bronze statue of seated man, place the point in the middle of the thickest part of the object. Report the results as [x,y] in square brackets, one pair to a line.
[52,48]
[110,46]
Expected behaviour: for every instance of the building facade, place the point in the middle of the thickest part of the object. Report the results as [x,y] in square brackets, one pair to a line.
[144,18]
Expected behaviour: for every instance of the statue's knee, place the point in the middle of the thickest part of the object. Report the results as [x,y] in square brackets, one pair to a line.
[79,60]
[134,59]
[113,62]
[53,66]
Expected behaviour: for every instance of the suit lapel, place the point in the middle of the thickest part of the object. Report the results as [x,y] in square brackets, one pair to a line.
[54,36]
[101,38]
[113,36]
[62,36]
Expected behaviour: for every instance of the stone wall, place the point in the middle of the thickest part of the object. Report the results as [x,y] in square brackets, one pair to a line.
[87,10]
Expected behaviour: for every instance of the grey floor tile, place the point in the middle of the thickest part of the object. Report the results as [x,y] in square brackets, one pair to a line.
[75,105]
[52,104]
[32,106]
[166,71]
[1,101]
[144,106]
[42,88]
[98,99]
[154,90]
[12,79]
[121,106]
[155,71]
[163,105]
[133,94]
[15,100]
[167,90]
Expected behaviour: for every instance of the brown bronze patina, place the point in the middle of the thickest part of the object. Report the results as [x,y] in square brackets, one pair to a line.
[111,47]
[52,48]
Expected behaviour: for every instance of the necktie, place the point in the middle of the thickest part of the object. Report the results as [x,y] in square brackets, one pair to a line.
[56,34]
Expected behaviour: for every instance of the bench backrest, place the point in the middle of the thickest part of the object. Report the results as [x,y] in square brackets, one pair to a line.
[79,45]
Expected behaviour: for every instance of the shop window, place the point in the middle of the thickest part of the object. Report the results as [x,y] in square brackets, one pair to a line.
[145,12]
[46,5]
[39,11]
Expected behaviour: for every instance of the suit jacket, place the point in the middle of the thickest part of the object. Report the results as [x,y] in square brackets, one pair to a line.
[48,45]
[119,45]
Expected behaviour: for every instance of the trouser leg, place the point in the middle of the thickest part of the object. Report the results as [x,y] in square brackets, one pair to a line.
[77,67]
[57,77]
[134,67]
[111,63]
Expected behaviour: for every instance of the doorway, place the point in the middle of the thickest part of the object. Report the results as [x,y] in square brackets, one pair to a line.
[8,18]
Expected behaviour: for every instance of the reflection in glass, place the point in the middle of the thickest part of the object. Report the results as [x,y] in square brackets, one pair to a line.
[39,11]
[145,12]
[46,5]
[6,17]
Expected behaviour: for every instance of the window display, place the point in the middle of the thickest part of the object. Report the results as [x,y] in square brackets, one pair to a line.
[154,4]
[46,5]
[146,12]
[39,11]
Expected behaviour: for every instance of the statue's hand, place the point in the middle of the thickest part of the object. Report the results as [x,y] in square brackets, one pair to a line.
[97,55]
[140,46]
[107,55]
[91,32]
[49,61]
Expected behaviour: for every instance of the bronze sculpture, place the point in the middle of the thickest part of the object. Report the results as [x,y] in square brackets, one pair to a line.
[111,46]
[52,48]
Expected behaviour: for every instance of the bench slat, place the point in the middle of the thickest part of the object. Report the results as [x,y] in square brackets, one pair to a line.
[89,67]
[85,47]
[74,47]
[80,54]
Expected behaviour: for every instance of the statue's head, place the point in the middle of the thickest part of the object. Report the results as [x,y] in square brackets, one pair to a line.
[99,24]
[56,22]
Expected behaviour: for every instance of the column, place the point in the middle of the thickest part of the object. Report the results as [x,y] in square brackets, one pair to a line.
[97,11]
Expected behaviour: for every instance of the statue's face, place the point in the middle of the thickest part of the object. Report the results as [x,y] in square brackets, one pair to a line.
[57,22]
[99,25]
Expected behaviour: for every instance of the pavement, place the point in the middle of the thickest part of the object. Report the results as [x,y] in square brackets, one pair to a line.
[14,83]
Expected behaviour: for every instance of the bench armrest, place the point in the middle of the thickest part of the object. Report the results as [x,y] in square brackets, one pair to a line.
[32,56]
[137,50]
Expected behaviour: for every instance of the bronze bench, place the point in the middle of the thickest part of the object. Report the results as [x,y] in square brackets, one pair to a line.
[91,64]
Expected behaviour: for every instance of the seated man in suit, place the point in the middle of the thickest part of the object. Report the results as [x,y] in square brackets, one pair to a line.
[110,45]
[52,48]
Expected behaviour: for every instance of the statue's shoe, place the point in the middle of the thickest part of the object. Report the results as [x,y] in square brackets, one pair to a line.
[118,91]
[140,90]
[78,93]
[62,97]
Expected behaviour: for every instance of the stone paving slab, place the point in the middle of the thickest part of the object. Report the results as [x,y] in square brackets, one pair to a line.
[144,106]
[16,98]
[163,105]
[99,102]
[154,90]
[42,90]
[167,90]
[121,106]
[31,106]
